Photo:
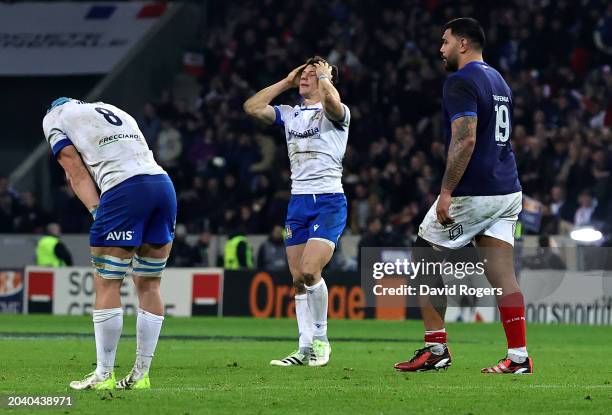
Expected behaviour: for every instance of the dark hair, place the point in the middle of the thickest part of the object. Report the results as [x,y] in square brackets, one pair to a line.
[469,28]
[334,68]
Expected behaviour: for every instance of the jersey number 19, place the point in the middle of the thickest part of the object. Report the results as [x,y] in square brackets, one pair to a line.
[502,123]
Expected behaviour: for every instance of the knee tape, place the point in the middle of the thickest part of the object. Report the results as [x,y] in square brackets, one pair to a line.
[110,267]
[148,267]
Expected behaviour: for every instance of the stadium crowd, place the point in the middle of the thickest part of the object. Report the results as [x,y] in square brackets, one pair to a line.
[232,175]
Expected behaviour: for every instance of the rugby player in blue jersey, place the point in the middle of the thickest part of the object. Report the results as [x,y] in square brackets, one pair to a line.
[480,198]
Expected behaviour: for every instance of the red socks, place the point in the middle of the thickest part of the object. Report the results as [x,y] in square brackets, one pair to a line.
[437,336]
[512,314]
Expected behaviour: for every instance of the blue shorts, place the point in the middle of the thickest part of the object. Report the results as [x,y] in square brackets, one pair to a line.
[142,209]
[310,216]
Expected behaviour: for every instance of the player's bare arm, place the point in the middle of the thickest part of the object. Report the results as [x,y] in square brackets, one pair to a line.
[78,177]
[330,98]
[258,106]
[463,140]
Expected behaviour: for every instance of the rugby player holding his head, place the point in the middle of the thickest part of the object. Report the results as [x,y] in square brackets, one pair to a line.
[316,132]
[480,197]
[101,146]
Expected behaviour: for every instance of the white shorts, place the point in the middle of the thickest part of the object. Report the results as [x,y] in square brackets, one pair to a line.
[493,216]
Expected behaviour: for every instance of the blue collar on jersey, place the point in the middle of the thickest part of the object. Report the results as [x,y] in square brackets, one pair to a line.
[58,102]
[312,107]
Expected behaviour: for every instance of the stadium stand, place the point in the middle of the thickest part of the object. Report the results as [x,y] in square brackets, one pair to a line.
[232,175]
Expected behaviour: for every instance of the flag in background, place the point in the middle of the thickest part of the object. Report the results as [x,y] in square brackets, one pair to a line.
[193,63]
[147,11]
[531,216]
[152,10]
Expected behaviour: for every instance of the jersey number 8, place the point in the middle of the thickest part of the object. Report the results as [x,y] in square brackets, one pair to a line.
[502,123]
[109,116]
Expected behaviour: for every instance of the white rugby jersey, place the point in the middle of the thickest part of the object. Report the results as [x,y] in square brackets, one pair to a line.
[108,139]
[316,147]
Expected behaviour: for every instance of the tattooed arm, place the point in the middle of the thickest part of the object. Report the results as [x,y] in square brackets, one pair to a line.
[463,140]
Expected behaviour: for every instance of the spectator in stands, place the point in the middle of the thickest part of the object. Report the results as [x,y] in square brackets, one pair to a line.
[360,208]
[31,217]
[245,156]
[169,146]
[149,124]
[6,214]
[247,220]
[202,248]
[238,253]
[374,237]
[559,213]
[5,189]
[203,149]
[580,174]
[344,58]
[8,206]
[267,152]
[602,166]
[601,35]
[70,214]
[50,250]
[392,79]
[271,255]
[182,254]
[586,207]
[187,122]
[191,201]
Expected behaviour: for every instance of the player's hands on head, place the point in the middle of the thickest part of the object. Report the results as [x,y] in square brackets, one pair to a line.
[442,209]
[323,68]
[293,78]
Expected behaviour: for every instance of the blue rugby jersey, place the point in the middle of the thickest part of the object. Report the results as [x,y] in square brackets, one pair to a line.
[480,91]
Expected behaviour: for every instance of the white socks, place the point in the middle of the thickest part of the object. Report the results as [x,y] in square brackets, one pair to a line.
[107,327]
[148,326]
[304,320]
[317,303]
[518,354]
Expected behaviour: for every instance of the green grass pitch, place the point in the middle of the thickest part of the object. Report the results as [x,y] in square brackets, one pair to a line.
[220,365]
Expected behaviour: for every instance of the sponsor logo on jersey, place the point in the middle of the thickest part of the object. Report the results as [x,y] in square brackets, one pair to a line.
[316,226]
[118,137]
[501,98]
[120,236]
[311,132]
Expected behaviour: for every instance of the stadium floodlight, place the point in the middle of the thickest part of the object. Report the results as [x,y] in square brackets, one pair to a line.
[586,234]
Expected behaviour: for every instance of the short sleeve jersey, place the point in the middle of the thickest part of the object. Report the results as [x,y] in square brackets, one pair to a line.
[316,147]
[477,90]
[108,139]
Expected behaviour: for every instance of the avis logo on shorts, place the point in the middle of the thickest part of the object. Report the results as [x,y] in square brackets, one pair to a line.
[120,236]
